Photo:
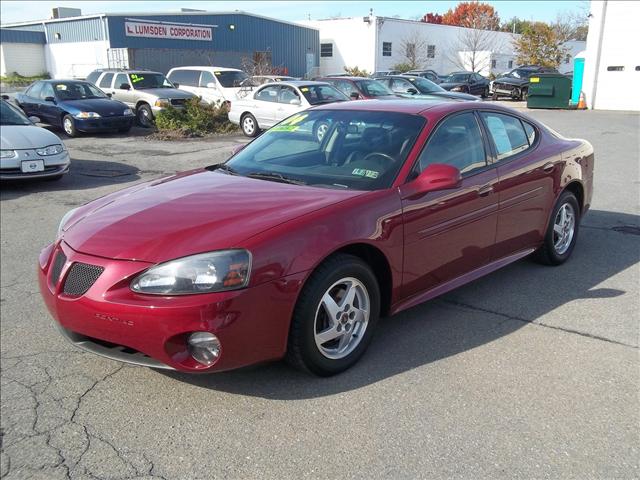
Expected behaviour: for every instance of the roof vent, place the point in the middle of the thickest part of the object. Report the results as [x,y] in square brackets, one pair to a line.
[65,12]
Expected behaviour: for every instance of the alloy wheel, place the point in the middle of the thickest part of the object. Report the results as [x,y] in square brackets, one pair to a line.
[342,318]
[67,124]
[248,125]
[564,226]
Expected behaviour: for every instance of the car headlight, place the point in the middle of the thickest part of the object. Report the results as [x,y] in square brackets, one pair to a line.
[87,115]
[50,150]
[456,89]
[63,221]
[162,102]
[8,154]
[127,111]
[203,273]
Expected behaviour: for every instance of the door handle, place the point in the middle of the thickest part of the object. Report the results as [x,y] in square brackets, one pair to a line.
[549,167]
[485,190]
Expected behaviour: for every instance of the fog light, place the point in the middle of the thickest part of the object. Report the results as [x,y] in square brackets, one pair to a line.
[204,347]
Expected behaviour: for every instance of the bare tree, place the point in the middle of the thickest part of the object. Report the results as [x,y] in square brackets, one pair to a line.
[258,65]
[414,49]
[473,49]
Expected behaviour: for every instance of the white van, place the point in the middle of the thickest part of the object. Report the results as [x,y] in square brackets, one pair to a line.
[213,84]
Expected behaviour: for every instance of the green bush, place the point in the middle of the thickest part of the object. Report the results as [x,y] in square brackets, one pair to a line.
[14,78]
[356,72]
[403,67]
[195,120]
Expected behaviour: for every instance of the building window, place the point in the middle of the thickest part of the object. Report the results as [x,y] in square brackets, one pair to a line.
[493,64]
[615,69]
[510,64]
[326,49]
[57,36]
[431,51]
[386,49]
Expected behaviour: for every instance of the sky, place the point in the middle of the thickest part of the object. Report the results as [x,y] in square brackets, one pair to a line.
[543,10]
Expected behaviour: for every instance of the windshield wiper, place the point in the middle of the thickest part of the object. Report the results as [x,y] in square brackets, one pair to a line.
[224,167]
[275,177]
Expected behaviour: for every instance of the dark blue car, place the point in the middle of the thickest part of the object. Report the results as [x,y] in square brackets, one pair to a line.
[75,106]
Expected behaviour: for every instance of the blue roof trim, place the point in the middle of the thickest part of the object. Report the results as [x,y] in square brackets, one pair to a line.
[21,36]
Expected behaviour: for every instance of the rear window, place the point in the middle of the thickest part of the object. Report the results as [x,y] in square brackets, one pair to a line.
[230,79]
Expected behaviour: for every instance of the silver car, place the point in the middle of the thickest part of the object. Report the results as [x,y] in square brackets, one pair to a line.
[28,151]
[147,93]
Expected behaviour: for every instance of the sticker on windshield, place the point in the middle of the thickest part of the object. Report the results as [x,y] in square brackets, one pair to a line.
[285,128]
[362,172]
[295,119]
[304,89]
[135,78]
[218,73]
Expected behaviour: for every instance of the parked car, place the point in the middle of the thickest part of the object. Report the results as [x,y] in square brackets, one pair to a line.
[146,93]
[28,151]
[384,73]
[262,79]
[467,82]
[399,202]
[428,74]
[76,106]
[360,88]
[212,84]
[515,83]
[271,103]
[417,87]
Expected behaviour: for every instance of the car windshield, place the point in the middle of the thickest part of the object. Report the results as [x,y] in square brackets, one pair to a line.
[77,91]
[457,78]
[11,116]
[319,94]
[143,80]
[426,86]
[231,78]
[373,88]
[341,149]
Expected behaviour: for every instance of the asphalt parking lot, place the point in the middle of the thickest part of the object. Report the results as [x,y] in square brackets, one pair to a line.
[531,372]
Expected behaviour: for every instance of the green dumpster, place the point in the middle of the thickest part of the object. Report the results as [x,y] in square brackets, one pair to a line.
[549,90]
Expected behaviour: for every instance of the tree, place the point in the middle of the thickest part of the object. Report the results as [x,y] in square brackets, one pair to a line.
[403,67]
[541,44]
[473,48]
[515,25]
[472,15]
[414,50]
[432,18]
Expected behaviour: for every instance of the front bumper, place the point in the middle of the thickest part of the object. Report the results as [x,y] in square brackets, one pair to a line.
[111,320]
[54,165]
[104,123]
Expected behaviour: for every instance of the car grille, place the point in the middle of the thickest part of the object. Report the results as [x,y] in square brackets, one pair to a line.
[178,102]
[502,86]
[80,278]
[56,269]
[19,172]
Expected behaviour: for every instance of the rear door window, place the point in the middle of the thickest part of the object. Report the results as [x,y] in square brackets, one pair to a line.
[206,78]
[34,91]
[187,78]
[268,94]
[507,133]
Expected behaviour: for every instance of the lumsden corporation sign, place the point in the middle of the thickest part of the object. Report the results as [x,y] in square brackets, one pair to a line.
[174,32]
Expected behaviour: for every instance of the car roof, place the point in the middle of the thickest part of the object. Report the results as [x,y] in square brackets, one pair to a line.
[124,70]
[207,68]
[60,80]
[298,83]
[353,79]
[408,105]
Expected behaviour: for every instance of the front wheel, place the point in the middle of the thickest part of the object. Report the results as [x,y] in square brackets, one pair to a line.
[249,125]
[524,94]
[144,115]
[335,317]
[562,231]
[485,92]
[69,126]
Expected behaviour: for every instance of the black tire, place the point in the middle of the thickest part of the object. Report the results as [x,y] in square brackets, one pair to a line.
[302,351]
[144,116]
[495,97]
[249,125]
[523,94]
[69,126]
[547,254]
[485,92]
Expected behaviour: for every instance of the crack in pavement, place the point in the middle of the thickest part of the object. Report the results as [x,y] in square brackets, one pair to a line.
[540,324]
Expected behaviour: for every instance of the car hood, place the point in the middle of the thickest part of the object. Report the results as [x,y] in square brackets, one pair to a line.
[106,107]
[189,213]
[166,92]
[511,80]
[456,95]
[22,137]
[450,85]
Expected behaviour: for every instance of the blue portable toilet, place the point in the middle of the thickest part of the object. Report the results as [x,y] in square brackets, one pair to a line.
[578,76]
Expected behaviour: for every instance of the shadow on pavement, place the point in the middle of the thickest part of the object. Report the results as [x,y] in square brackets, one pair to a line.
[448,326]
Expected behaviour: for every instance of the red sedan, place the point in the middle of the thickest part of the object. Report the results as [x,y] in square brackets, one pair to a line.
[296,246]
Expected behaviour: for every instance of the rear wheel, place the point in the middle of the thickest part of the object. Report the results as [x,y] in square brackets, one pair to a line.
[562,231]
[144,115]
[249,125]
[69,126]
[334,319]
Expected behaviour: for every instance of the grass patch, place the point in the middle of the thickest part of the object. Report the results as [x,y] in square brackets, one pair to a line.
[195,120]
[15,79]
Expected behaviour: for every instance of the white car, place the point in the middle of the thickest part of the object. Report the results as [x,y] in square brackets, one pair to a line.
[262,79]
[212,84]
[28,151]
[273,102]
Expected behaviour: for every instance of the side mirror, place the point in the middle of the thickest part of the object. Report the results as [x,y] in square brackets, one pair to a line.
[295,101]
[109,95]
[125,86]
[34,119]
[355,95]
[412,91]
[437,176]
[5,97]
[50,99]
[176,84]
[211,85]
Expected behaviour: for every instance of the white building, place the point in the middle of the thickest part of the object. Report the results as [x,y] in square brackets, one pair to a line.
[612,58]
[378,43]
